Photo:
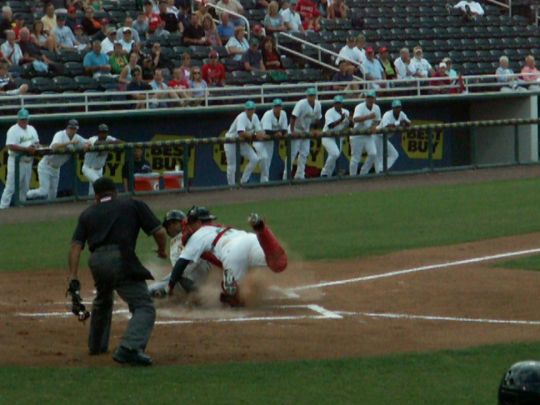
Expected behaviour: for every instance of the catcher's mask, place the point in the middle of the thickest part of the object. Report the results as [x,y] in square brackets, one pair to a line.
[521,384]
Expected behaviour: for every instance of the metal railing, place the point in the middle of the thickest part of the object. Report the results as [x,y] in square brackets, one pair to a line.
[429,130]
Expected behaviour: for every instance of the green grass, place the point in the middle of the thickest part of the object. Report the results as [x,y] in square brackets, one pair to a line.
[523,263]
[335,226]
[449,377]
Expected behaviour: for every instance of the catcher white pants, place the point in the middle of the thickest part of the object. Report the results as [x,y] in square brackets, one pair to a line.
[360,143]
[333,150]
[265,151]
[392,154]
[301,148]
[92,175]
[196,272]
[246,150]
[242,253]
[25,175]
[49,178]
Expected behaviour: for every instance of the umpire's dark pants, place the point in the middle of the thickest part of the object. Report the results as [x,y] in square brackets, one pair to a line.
[110,273]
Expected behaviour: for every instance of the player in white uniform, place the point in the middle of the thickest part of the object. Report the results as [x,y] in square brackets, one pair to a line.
[307,114]
[237,250]
[248,127]
[367,116]
[95,161]
[20,138]
[391,119]
[273,122]
[49,166]
[336,119]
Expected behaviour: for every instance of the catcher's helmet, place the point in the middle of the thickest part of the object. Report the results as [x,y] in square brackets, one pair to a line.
[200,214]
[173,215]
[521,384]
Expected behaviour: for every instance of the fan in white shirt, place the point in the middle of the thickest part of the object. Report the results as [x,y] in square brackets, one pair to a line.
[391,119]
[291,18]
[402,65]
[352,55]
[470,10]
[336,119]
[419,66]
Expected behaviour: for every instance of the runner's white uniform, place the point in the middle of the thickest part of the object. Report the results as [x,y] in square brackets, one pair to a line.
[265,149]
[22,137]
[94,162]
[359,143]
[237,250]
[305,115]
[49,167]
[333,146]
[389,119]
[240,124]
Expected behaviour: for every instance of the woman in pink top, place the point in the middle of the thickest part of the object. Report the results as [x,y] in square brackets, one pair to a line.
[530,73]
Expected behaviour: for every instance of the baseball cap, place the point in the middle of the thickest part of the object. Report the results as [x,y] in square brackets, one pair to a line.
[173,215]
[199,213]
[396,103]
[73,124]
[369,49]
[277,102]
[111,30]
[78,27]
[442,65]
[72,9]
[371,93]
[338,99]
[213,54]
[126,30]
[311,91]
[23,114]
[104,21]
[383,49]
[249,105]
[103,128]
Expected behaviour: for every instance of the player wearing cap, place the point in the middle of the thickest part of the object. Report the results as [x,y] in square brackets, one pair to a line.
[246,126]
[391,119]
[366,117]
[49,166]
[95,161]
[273,122]
[21,138]
[306,117]
[336,119]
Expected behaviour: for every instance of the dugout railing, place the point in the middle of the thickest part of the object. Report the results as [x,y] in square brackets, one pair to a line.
[187,145]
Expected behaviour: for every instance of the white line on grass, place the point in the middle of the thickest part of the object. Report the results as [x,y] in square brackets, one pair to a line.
[416,269]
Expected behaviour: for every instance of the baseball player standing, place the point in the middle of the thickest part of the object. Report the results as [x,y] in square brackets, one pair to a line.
[95,161]
[273,122]
[246,126]
[21,138]
[49,166]
[336,119]
[391,119]
[367,116]
[306,117]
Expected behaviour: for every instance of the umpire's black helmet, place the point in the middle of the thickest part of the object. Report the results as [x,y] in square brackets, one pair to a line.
[520,385]
[200,214]
[173,215]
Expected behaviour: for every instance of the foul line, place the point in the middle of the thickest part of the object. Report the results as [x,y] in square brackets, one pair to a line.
[416,269]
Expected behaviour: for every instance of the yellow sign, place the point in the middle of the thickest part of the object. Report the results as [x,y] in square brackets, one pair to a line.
[416,143]
[3,168]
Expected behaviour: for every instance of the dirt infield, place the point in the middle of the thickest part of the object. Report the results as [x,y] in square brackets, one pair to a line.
[427,308]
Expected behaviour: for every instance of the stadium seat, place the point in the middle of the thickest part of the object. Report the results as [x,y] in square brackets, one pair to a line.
[107,82]
[74,69]
[41,84]
[63,83]
[86,83]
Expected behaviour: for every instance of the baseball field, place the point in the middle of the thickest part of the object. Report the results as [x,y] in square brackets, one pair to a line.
[402,290]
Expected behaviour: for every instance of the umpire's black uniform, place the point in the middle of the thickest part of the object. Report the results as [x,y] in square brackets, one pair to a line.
[110,227]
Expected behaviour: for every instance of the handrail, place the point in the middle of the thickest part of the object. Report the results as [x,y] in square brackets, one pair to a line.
[502,4]
[209,4]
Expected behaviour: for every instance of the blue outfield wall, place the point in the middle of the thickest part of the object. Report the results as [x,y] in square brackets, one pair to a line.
[207,165]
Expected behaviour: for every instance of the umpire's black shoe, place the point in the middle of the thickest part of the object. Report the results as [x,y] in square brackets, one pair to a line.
[131,357]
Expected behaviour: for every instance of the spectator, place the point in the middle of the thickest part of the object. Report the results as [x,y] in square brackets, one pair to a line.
[443,82]
[95,62]
[387,64]
[6,22]
[90,24]
[469,10]
[258,31]
[351,56]
[529,73]
[171,21]
[63,35]
[360,45]
[202,11]
[310,15]
[344,75]
[291,19]
[210,32]
[213,72]
[140,165]
[128,25]
[373,70]
[11,49]
[159,84]
[194,32]
[271,57]
[32,54]
[225,28]
[71,19]
[273,21]
[159,59]
[186,65]
[232,7]
[505,75]
[419,66]
[49,19]
[138,86]
[118,60]
[7,85]
[102,33]
[403,65]
[152,18]
[147,68]
[19,25]
[337,9]
[452,73]
[141,26]
[238,44]
[198,86]
[127,39]
[97,5]
[253,57]
[160,31]
[82,38]
[180,84]
[322,6]
[126,74]
[107,45]
[42,38]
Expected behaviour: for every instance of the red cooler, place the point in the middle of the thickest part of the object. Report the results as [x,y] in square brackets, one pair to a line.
[146,181]
[173,180]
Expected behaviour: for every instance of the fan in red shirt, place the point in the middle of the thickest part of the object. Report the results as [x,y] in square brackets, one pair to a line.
[309,13]
[153,18]
[442,84]
[179,82]
[213,72]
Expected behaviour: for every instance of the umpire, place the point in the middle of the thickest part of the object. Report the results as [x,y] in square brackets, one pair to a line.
[110,227]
